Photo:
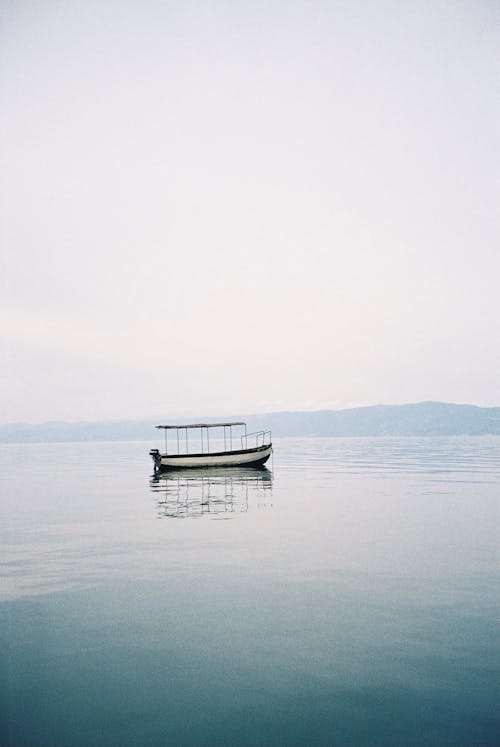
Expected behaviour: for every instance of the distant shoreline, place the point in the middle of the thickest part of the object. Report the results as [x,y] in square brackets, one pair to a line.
[420,419]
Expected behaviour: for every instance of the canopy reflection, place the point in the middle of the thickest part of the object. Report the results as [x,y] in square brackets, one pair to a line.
[214,492]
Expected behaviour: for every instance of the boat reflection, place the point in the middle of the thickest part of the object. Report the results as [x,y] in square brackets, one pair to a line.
[215,492]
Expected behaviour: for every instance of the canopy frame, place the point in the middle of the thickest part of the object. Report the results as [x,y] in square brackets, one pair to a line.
[202,426]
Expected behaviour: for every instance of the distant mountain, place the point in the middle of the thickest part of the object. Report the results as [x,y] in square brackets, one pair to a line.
[422,419]
[58,431]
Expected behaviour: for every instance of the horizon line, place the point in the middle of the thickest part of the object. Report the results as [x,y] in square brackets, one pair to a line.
[250,415]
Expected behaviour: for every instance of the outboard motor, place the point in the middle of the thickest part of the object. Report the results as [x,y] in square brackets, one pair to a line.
[156,458]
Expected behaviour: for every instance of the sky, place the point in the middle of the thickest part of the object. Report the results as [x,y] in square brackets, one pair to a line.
[223,207]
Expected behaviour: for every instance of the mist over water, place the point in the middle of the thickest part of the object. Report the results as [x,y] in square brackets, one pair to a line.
[346,595]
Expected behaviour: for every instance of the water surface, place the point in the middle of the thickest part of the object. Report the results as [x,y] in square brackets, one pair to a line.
[345,596]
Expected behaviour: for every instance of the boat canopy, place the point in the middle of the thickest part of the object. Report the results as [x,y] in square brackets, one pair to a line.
[201,425]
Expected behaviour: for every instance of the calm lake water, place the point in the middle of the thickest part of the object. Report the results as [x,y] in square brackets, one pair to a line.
[345,597]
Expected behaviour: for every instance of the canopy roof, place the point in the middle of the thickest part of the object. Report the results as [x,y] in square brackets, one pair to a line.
[201,425]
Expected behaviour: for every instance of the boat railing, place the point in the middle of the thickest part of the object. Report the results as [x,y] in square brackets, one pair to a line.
[257,438]
[206,445]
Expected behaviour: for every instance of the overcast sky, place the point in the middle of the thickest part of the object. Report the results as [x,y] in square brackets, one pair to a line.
[232,207]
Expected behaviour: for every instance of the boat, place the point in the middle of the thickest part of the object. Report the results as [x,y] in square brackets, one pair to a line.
[256,448]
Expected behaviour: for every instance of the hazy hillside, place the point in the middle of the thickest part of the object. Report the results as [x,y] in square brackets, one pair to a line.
[423,419]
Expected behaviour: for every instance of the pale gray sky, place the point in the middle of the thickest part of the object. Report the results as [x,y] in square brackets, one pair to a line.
[221,207]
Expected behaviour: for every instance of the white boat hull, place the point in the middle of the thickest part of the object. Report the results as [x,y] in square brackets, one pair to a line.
[243,457]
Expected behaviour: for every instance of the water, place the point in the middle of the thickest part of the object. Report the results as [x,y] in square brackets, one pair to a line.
[347,597]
